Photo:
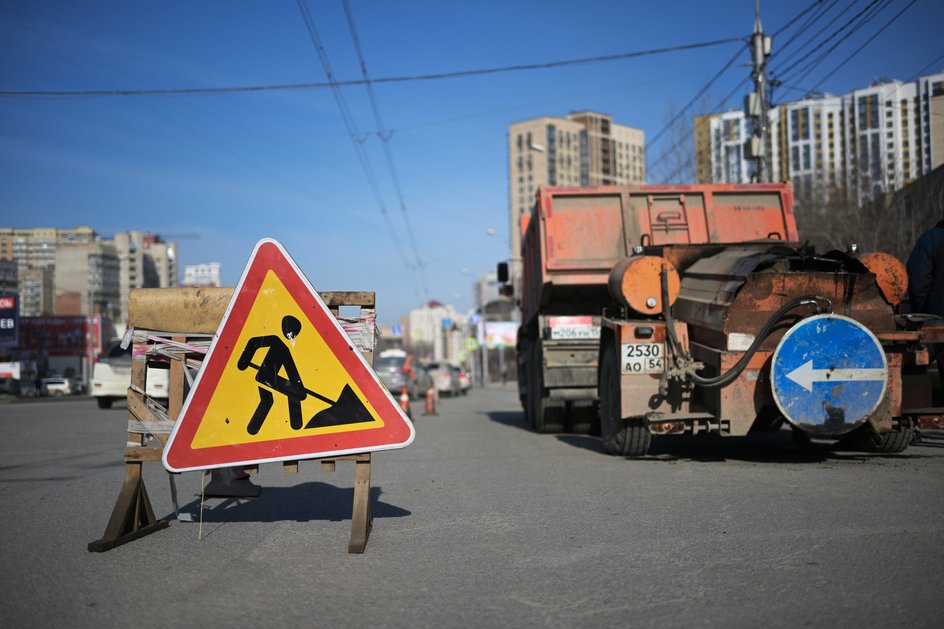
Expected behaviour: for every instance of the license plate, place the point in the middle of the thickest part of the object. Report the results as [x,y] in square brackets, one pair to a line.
[580,332]
[643,358]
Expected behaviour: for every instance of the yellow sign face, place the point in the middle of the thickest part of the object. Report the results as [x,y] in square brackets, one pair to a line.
[238,395]
[281,381]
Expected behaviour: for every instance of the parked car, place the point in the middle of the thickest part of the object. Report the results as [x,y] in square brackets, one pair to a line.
[444,378]
[111,377]
[391,367]
[465,378]
[56,386]
[9,386]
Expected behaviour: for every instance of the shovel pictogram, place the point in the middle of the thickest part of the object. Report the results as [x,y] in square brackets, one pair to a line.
[347,409]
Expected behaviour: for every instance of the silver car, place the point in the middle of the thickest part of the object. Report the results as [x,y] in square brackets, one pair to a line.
[445,379]
[389,367]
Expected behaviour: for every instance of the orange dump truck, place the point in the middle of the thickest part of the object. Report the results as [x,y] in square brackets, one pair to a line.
[571,243]
[677,309]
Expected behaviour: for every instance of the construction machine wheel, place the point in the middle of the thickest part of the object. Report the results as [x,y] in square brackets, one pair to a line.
[865,438]
[580,417]
[621,437]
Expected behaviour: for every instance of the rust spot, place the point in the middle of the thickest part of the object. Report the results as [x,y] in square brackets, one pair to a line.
[890,275]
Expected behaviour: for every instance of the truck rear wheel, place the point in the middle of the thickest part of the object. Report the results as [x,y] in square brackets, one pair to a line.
[621,437]
[867,439]
[103,402]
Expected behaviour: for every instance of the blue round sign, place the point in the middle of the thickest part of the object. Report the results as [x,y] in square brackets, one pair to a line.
[829,374]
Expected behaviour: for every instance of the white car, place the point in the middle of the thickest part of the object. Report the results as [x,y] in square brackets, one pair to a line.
[445,381]
[56,386]
[111,377]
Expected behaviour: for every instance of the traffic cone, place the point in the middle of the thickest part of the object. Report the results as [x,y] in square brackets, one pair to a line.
[430,408]
[405,402]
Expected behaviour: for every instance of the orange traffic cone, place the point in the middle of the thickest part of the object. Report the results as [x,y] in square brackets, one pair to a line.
[405,402]
[430,408]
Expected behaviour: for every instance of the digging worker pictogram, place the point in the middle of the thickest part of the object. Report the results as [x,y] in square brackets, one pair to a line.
[278,357]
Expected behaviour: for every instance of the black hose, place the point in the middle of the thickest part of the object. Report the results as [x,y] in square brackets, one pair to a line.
[727,377]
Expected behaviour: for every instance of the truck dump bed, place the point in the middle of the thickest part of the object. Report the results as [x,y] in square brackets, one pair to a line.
[576,235]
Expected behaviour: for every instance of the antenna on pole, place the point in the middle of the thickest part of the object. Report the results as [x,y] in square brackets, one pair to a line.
[757,104]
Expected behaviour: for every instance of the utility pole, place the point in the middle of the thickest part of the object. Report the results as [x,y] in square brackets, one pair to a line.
[756,104]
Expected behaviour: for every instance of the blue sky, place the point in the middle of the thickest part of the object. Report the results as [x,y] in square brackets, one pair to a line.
[238,167]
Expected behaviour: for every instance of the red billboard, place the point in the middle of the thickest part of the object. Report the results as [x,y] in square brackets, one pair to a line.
[57,336]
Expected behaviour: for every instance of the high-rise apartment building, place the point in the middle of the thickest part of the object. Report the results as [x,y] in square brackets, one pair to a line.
[844,148]
[8,277]
[584,149]
[70,271]
[34,251]
[145,261]
[36,291]
[86,280]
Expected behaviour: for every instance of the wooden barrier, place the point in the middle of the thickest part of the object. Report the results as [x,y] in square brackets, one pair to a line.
[187,315]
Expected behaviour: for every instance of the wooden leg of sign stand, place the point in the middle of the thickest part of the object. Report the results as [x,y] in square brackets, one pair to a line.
[361,521]
[132,516]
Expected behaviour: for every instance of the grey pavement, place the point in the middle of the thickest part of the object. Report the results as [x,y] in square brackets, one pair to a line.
[479,523]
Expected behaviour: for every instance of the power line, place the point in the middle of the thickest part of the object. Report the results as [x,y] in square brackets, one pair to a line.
[811,66]
[913,77]
[721,104]
[385,141]
[813,19]
[391,79]
[666,153]
[351,127]
[805,25]
[691,103]
[864,44]
[785,73]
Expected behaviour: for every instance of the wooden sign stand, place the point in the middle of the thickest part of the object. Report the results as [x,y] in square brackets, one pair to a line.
[182,314]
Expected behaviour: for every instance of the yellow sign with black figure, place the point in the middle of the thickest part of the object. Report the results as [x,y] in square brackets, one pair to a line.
[282,381]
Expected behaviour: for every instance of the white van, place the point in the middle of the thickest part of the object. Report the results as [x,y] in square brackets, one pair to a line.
[111,377]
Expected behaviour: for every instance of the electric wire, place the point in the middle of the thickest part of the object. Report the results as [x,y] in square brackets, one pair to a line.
[653,164]
[390,79]
[385,142]
[351,126]
[864,44]
[809,24]
[866,14]
[785,73]
[800,15]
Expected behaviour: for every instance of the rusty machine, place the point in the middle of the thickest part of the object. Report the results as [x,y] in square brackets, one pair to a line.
[571,242]
[722,322]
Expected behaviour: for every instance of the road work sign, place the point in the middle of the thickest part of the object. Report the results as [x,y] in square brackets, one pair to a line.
[828,374]
[281,381]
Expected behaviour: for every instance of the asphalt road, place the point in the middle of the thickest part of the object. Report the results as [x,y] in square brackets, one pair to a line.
[479,523]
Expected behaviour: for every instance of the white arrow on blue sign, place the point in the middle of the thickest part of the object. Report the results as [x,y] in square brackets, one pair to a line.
[828,374]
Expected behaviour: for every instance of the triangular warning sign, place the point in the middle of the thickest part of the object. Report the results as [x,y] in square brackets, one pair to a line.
[281,381]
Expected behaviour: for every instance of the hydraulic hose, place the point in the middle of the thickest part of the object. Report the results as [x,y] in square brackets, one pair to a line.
[736,369]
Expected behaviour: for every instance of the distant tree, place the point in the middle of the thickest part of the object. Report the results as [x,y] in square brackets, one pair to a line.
[828,217]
